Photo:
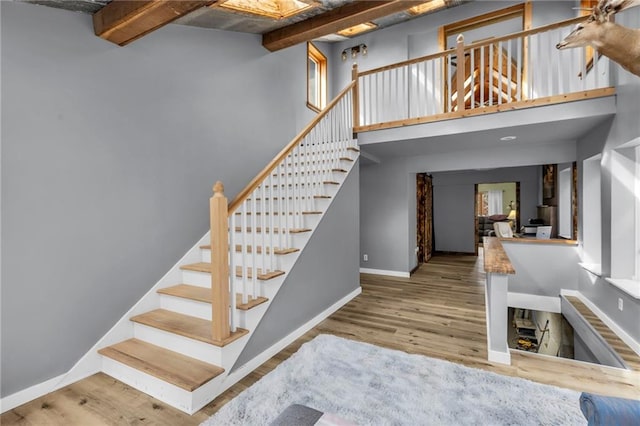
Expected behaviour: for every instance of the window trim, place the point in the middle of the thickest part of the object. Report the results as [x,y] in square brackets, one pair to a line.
[314,54]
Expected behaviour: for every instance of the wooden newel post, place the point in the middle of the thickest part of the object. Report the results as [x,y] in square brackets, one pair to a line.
[219,263]
[460,73]
[355,97]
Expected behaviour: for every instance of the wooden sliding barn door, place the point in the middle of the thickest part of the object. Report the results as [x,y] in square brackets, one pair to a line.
[424,194]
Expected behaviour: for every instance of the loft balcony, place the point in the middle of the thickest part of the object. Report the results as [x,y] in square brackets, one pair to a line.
[510,75]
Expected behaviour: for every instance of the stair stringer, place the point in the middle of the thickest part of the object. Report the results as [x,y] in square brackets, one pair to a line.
[92,362]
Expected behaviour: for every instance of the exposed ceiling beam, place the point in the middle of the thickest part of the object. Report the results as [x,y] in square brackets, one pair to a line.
[123,21]
[332,21]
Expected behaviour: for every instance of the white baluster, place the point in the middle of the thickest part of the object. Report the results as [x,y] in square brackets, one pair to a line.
[263,221]
[509,91]
[473,78]
[491,74]
[519,70]
[254,248]
[232,271]
[243,215]
[271,223]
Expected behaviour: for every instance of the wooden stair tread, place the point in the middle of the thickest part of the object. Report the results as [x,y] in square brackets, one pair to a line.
[203,294]
[186,291]
[275,230]
[276,251]
[626,353]
[179,370]
[206,267]
[185,325]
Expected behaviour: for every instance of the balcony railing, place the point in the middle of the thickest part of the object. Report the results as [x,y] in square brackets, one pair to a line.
[514,71]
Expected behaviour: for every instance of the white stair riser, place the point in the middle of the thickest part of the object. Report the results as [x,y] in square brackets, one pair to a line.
[184,306]
[290,221]
[307,177]
[280,261]
[319,189]
[250,319]
[203,279]
[297,240]
[157,388]
[174,342]
[310,161]
[316,204]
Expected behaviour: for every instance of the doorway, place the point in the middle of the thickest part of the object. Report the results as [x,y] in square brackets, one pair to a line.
[495,202]
[424,203]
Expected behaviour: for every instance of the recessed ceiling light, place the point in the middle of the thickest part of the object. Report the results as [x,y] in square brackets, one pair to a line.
[508,138]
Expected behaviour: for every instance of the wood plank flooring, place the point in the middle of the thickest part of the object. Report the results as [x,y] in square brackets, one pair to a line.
[438,312]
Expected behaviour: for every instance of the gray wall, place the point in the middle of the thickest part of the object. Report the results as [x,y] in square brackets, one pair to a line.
[326,271]
[108,159]
[387,194]
[453,203]
[541,269]
[623,128]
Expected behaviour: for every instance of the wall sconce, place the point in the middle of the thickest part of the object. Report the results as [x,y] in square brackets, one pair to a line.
[361,48]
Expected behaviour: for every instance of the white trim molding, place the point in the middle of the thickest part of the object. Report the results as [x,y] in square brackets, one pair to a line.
[499,357]
[385,272]
[36,391]
[534,302]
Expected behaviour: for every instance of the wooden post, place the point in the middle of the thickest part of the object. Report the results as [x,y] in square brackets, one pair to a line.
[460,74]
[355,96]
[219,263]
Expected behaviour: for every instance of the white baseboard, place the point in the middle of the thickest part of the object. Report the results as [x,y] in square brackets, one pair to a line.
[500,357]
[623,335]
[36,391]
[385,272]
[536,303]
[247,368]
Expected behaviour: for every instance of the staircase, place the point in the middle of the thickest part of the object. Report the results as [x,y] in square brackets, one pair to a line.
[181,341]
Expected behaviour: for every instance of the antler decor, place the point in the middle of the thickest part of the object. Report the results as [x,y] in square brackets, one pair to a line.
[618,43]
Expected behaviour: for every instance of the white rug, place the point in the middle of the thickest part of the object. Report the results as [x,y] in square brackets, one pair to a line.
[370,385]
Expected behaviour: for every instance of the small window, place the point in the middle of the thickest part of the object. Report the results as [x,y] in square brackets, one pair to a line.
[316,78]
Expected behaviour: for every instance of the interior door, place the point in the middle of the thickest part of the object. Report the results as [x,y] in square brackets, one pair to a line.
[424,194]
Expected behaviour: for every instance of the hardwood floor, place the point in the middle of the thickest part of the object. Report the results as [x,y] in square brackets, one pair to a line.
[438,312]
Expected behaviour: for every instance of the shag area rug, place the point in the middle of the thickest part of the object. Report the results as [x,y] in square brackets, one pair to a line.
[370,385]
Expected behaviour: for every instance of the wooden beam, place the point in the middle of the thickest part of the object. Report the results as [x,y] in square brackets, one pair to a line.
[123,21]
[332,21]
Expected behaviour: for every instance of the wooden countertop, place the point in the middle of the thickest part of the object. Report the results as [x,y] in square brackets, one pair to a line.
[533,240]
[495,259]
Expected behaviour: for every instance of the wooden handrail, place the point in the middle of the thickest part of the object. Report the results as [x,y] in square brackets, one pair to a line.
[255,182]
[407,62]
[475,45]
[526,33]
